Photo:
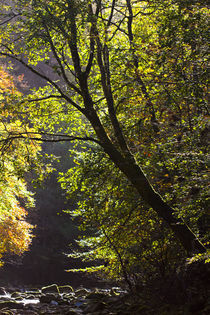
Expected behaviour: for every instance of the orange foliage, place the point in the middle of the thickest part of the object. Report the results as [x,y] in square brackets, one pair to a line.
[15,232]
[6,81]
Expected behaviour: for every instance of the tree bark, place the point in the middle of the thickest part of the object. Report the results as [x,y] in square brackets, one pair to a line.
[136,176]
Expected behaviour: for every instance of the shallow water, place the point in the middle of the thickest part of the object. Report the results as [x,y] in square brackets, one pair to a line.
[6,295]
[29,301]
[23,300]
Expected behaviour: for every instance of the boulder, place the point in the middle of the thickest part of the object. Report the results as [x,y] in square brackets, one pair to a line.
[81,292]
[96,295]
[64,302]
[48,298]
[33,292]
[2,291]
[15,295]
[30,297]
[65,289]
[94,307]
[11,305]
[53,288]
[4,298]
[80,302]
[12,289]
[19,298]
[68,296]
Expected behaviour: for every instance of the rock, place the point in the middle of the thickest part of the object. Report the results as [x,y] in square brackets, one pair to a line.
[5,298]
[53,288]
[33,292]
[72,311]
[94,307]
[64,302]
[114,292]
[15,295]
[79,302]
[65,289]
[19,298]
[11,305]
[68,296]
[95,295]
[47,298]
[113,299]
[30,297]
[12,289]
[53,302]
[81,292]
[2,291]
[33,307]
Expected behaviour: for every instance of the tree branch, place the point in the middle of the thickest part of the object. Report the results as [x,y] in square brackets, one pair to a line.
[41,98]
[70,84]
[103,63]
[66,97]
[57,137]
[111,14]
[92,49]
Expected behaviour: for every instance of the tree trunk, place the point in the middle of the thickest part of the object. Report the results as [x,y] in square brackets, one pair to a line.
[185,235]
[136,176]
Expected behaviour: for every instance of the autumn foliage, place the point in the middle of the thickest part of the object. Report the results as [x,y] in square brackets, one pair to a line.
[130,78]
[14,233]
[15,160]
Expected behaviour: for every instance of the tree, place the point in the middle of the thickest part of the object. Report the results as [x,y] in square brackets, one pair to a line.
[123,234]
[15,161]
[95,51]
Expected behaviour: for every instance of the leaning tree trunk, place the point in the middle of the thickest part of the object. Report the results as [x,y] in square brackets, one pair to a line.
[164,211]
[136,176]
[120,153]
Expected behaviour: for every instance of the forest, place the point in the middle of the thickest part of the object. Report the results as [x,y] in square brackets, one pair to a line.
[104,118]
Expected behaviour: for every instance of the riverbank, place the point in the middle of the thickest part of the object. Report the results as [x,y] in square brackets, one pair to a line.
[154,299]
[57,300]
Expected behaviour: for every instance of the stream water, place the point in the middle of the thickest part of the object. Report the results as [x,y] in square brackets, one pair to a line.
[25,301]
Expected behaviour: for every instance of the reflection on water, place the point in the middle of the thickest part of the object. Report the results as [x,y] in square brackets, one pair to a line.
[30,301]
[23,300]
[6,295]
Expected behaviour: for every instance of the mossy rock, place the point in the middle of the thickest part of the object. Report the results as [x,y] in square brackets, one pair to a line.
[96,295]
[16,295]
[2,291]
[5,298]
[49,297]
[30,297]
[81,292]
[53,288]
[11,305]
[65,289]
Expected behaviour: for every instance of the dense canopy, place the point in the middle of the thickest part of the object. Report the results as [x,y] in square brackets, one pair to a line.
[126,80]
